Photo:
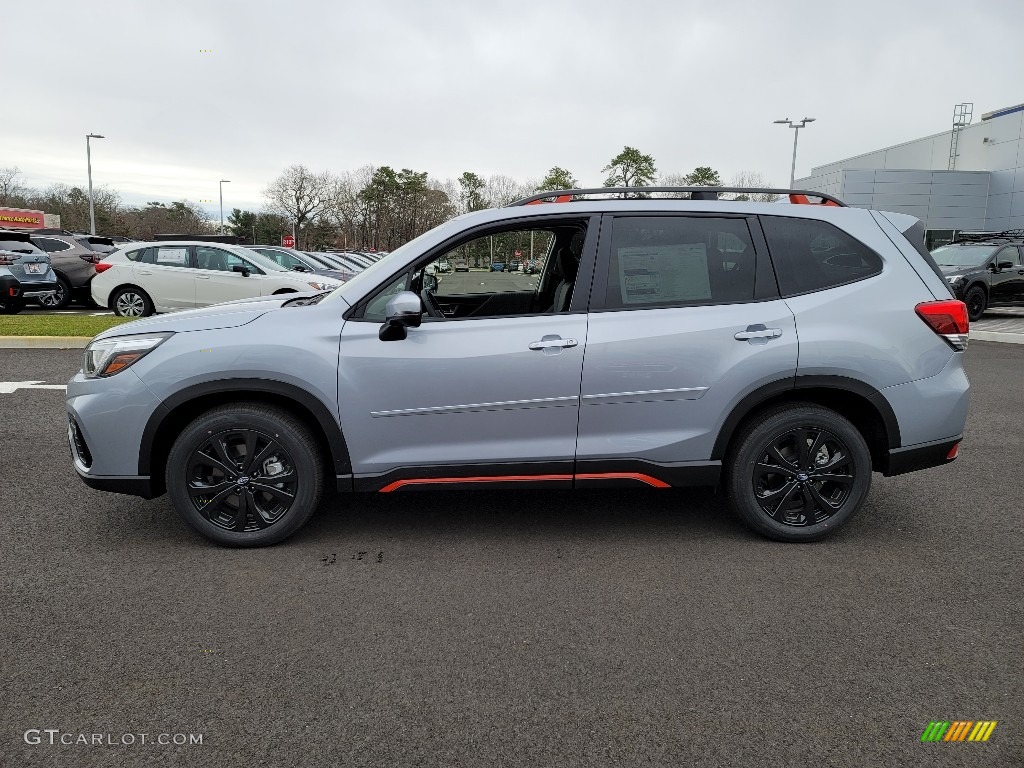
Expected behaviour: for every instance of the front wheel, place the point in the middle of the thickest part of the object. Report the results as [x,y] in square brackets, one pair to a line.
[245,475]
[798,472]
[976,303]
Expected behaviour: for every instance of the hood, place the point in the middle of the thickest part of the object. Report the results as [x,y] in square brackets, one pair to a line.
[231,314]
[954,271]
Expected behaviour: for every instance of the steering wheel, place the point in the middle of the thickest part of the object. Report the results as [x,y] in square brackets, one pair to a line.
[431,305]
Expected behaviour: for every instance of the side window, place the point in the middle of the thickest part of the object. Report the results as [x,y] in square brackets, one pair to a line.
[219,260]
[139,255]
[1011,254]
[811,255]
[167,256]
[50,245]
[375,308]
[678,261]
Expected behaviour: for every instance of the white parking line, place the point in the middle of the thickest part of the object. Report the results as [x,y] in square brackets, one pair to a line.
[9,387]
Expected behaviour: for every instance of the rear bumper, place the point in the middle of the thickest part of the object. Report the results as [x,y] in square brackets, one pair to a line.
[916,457]
[15,288]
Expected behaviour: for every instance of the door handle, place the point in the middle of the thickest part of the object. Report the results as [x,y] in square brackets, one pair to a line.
[145,272]
[202,277]
[758,332]
[549,343]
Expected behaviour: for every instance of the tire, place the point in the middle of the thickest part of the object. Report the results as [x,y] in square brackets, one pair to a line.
[131,302]
[775,504]
[976,302]
[60,299]
[198,466]
[10,306]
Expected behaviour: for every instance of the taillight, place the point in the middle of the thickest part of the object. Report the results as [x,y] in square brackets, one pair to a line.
[8,258]
[102,267]
[92,258]
[948,319]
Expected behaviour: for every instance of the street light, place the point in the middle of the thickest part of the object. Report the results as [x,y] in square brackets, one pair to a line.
[88,162]
[796,135]
[222,183]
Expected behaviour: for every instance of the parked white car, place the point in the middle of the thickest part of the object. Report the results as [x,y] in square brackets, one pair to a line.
[143,278]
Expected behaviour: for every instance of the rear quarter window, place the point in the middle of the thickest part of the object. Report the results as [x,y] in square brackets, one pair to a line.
[811,255]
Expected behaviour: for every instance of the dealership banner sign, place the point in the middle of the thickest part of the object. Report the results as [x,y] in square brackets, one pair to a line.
[20,218]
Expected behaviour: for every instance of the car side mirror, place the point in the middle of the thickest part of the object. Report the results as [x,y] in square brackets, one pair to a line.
[404,310]
[430,283]
[299,268]
[241,268]
[1004,265]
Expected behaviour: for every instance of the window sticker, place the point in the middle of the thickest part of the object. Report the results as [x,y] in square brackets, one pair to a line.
[664,273]
[175,256]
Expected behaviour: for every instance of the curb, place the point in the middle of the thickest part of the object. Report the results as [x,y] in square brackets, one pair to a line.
[44,342]
[1005,338]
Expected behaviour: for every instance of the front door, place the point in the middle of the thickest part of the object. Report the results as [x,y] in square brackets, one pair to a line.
[1007,284]
[217,281]
[685,319]
[485,391]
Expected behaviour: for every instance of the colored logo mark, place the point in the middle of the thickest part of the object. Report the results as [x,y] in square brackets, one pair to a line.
[959,730]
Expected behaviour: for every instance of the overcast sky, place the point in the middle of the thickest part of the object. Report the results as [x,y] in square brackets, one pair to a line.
[514,88]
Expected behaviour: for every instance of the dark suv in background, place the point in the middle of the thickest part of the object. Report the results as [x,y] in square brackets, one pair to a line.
[74,258]
[984,269]
[25,272]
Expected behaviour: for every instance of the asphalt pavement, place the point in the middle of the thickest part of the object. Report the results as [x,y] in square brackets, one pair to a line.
[617,627]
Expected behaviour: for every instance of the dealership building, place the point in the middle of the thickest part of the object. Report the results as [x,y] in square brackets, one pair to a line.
[968,178]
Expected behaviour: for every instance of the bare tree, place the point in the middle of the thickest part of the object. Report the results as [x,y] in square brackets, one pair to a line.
[299,194]
[753,179]
[12,191]
[502,190]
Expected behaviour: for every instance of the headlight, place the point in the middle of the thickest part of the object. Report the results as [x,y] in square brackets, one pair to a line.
[321,286]
[955,279]
[109,356]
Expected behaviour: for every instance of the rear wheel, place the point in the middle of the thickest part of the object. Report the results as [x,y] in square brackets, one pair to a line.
[245,475]
[11,306]
[131,302]
[60,298]
[976,302]
[798,472]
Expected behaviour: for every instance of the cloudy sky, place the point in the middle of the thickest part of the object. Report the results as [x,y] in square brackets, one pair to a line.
[192,91]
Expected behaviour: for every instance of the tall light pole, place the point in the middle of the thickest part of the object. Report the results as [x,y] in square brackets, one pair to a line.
[88,162]
[222,183]
[796,135]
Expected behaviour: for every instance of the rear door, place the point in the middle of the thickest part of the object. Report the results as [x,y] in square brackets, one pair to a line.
[166,273]
[685,321]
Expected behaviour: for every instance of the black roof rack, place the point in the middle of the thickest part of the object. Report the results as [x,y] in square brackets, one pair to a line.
[794,195]
[1006,236]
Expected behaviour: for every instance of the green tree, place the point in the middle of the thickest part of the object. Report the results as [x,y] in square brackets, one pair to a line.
[630,168]
[703,176]
[558,178]
[471,189]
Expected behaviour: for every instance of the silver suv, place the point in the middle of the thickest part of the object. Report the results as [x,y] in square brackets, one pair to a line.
[784,352]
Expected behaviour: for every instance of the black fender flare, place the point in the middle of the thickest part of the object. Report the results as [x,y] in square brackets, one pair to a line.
[314,405]
[794,384]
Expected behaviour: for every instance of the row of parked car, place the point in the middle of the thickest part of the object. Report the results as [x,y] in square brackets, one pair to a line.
[135,279]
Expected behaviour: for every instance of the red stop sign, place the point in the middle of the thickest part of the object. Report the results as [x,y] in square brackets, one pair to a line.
[288,241]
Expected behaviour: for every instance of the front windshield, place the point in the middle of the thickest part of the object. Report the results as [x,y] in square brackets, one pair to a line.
[373,273]
[962,255]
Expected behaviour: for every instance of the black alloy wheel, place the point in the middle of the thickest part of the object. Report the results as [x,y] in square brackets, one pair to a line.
[976,303]
[242,480]
[245,475]
[797,472]
[803,477]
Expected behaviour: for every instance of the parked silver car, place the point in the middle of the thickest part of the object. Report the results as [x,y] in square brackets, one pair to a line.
[784,352]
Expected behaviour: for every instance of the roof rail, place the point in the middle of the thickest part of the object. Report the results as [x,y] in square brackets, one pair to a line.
[1009,235]
[796,196]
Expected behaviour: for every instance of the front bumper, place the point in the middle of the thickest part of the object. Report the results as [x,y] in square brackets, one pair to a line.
[106,421]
